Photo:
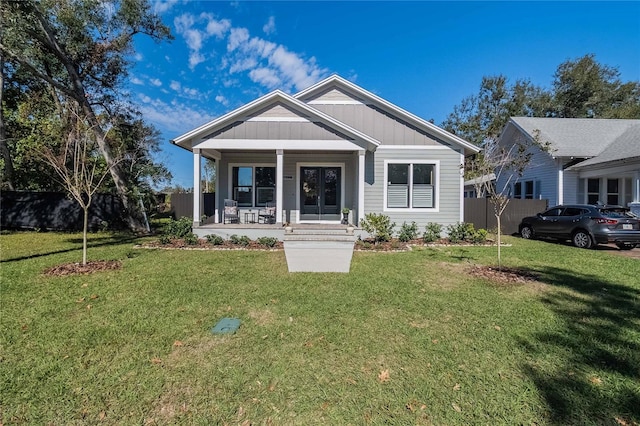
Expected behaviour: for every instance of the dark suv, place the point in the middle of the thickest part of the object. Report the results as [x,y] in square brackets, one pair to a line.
[585,225]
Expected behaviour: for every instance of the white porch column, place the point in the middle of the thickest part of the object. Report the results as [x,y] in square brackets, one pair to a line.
[217,200]
[279,184]
[635,187]
[197,193]
[560,182]
[361,157]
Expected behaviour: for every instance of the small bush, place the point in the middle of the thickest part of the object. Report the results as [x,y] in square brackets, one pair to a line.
[178,228]
[378,225]
[242,240]
[460,232]
[432,232]
[191,239]
[214,239]
[268,241]
[408,232]
[164,239]
[480,236]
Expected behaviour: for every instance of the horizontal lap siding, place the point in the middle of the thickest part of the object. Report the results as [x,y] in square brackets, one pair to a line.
[276,130]
[448,192]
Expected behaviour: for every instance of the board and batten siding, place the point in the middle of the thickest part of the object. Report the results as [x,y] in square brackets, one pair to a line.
[448,190]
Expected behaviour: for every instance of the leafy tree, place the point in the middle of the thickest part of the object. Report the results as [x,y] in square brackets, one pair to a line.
[586,88]
[80,49]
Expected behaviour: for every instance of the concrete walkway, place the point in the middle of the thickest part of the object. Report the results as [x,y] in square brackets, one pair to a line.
[319,250]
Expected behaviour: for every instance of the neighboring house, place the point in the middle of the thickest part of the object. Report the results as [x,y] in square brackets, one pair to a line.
[329,147]
[476,187]
[590,160]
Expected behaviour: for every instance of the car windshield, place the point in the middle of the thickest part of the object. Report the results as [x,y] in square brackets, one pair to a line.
[619,213]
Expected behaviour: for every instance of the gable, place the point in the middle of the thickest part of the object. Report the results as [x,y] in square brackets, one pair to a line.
[376,117]
[276,130]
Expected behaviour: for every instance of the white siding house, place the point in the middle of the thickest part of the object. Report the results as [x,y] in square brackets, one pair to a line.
[329,147]
[590,161]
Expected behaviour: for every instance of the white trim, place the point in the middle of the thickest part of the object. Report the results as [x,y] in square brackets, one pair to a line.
[414,147]
[284,144]
[560,182]
[335,102]
[279,119]
[361,171]
[342,188]
[197,177]
[230,167]
[435,163]
[604,171]
[279,185]
[217,196]
[461,188]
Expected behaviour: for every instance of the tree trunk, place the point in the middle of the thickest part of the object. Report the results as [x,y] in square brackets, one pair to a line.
[8,172]
[499,242]
[85,225]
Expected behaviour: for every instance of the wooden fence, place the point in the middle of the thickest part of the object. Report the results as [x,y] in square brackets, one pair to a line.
[479,211]
[182,204]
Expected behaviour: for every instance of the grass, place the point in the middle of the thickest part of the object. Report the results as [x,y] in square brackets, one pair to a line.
[405,338]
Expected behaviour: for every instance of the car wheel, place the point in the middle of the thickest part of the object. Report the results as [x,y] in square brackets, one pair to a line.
[582,239]
[526,232]
[623,246]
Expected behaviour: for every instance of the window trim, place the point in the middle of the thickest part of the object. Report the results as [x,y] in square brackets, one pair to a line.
[436,186]
[253,181]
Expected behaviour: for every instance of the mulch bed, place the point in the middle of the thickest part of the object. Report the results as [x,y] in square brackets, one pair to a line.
[177,243]
[67,269]
[503,275]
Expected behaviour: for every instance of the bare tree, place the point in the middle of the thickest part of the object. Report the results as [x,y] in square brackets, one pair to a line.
[508,163]
[80,167]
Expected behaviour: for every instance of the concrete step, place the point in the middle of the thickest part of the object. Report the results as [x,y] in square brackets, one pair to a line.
[320,237]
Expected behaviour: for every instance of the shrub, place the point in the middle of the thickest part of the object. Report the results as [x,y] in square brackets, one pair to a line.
[432,232]
[242,240]
[214,239]
[164,239]
[408,232]
[268,241]
[178,228]
[191,239]
[378,225]
[460,231]
[479,236]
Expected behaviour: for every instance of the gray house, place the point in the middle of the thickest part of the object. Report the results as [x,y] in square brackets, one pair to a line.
[591,160]
[329,147]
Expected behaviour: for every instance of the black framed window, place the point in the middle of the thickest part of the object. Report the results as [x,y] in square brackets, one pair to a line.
[253,186]
[593,191]
[528,190]
[410,185]
[517,190]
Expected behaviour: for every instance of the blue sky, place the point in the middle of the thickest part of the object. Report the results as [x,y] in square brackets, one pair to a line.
[422,56]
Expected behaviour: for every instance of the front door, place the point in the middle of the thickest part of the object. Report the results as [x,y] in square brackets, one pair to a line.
[320,193]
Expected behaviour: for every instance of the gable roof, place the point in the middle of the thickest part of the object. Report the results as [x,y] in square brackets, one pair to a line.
[626,146]
[372,99]
[186,140]
[583,137]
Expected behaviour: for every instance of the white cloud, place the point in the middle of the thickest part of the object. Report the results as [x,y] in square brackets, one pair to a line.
[238,37]
[161,6]
[270,26]
[195,38]
[216,27]
[224,101]
[136,80]
[175,85]
[195,58]
[174,117]
[265,76]
[156,82]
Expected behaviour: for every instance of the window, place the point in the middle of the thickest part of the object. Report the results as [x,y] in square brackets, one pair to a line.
[573,211]
[517,190]
[253,186]
[528,190]
[553,212]
[612,191]
[593,191]
[410,185]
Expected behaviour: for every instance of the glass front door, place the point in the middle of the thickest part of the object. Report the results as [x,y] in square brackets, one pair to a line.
[320,193]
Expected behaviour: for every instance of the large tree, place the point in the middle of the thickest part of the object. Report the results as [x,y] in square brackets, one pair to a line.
[586,88]
[80,49]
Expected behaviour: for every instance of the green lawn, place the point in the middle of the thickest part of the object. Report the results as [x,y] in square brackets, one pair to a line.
[405,338]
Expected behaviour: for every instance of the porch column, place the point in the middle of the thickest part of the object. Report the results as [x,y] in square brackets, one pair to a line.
[361,157]
[197,212]
[279,184]
[560,183]
[635,187]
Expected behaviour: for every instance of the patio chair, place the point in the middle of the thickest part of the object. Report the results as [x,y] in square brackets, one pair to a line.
[268,213]
[231,213]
